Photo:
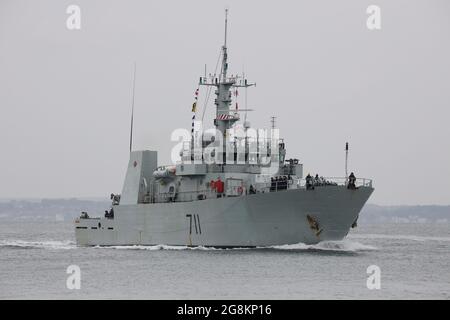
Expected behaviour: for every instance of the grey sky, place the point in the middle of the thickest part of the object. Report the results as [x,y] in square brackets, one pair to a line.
[65,95]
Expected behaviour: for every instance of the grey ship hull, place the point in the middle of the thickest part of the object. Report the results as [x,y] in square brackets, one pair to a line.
[263,219]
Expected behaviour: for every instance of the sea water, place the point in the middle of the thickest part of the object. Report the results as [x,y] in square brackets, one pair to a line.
[413,260]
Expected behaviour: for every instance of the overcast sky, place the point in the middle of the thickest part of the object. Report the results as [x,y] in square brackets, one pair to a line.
[65,94]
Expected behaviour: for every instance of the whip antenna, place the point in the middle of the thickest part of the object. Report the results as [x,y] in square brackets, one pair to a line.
[346,160]
[132,108]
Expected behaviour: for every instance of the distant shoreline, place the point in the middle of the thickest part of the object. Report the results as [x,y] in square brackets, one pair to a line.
[65,209]
[106,198]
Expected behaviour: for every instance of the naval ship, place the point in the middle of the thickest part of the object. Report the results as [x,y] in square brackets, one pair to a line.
[226,189]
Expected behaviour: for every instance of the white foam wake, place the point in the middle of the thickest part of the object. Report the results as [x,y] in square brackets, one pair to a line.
[48,244]
[343,245]
[398,237]
[155,247]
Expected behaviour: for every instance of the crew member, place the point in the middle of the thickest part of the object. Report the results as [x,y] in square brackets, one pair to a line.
[309,185]
[351,181]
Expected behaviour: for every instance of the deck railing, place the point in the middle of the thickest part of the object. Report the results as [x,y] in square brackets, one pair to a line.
[280,184]
[273,186]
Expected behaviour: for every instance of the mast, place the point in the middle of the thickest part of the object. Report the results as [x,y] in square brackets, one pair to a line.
[224,50]
[224,120]
[272,121]
[226,26]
